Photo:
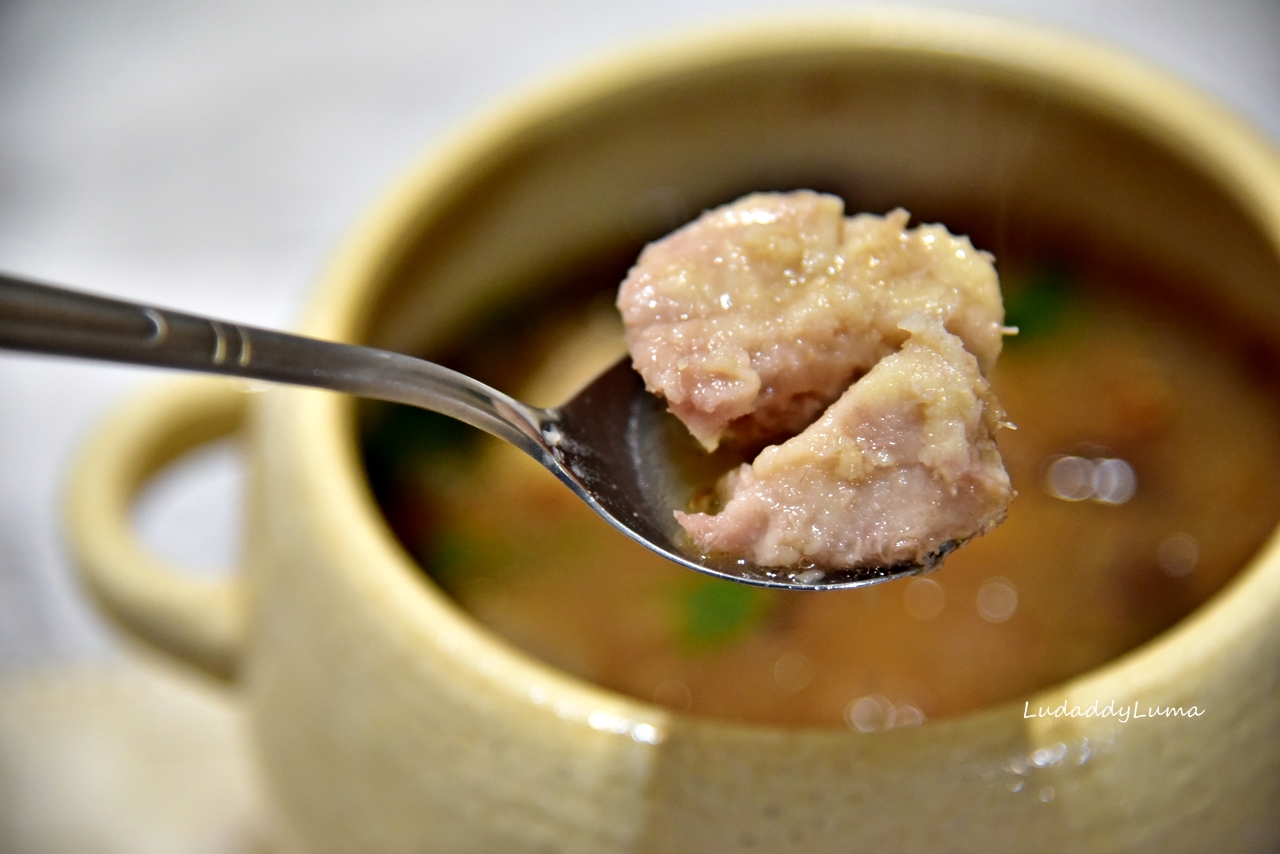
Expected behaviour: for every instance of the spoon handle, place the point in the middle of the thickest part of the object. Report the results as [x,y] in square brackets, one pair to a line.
[39,318]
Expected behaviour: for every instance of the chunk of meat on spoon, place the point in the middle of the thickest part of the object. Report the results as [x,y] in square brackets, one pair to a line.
[758,316]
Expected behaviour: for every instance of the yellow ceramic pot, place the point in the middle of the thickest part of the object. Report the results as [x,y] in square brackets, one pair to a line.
[387,720]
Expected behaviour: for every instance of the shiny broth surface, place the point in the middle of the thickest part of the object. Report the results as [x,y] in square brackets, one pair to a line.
[1144,457]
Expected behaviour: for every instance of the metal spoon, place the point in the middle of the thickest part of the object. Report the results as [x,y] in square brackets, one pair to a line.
[613,444]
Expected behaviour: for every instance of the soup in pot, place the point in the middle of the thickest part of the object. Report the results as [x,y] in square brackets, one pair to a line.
[1148,430]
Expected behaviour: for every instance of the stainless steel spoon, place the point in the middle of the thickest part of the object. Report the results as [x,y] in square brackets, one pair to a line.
[613,444]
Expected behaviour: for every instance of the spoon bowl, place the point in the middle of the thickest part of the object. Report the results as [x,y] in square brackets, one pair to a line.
[614,444]
[623,453]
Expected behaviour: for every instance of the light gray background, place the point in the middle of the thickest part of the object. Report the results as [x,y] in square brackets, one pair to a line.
[209,156]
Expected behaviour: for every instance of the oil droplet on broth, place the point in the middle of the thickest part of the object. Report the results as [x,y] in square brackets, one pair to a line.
[1106,480]
[875,712]
[868,714]
[997,600]
[792,672]
[1178,555]
[923,598]
[673,694]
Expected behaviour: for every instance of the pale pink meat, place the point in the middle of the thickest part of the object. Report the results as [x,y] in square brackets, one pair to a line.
[903,463]
[757,315]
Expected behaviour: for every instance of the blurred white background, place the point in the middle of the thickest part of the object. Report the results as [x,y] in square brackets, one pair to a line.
[209,156]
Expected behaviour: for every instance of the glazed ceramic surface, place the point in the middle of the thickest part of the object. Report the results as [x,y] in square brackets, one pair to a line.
[388,721]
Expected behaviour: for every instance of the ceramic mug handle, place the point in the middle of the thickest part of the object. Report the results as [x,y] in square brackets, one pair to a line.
[199,620]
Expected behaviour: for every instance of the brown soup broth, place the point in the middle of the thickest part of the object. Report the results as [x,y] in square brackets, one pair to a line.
[1147,434]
